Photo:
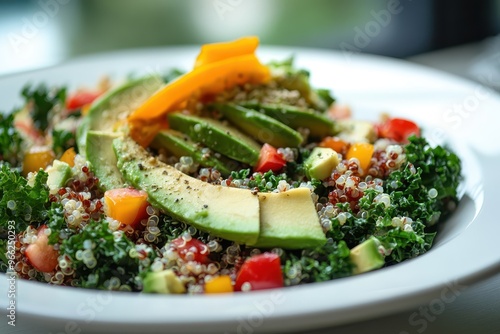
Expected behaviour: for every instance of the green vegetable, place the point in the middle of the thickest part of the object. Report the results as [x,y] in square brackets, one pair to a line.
[21,202]
[441,170]
[291,78]
[262,182]
[10,141]
[172,74]
[62,140]
[57,223]
[409,191]
[103,259]
[318,265]
[42,102]
[4,262]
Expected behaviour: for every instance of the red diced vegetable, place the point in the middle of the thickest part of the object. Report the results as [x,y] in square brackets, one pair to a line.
[80,99]
[191,249]
[269,159]
[260,272]
[398,129]
[42,256]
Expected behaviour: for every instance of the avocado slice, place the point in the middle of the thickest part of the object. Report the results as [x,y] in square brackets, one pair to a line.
[115,106]
[180,145]
[229,213]
[366,256]
[58,174]
[165,281]
[319,126]
[260,126]
[217,136]
[320,163]
[102,159]
[289,220]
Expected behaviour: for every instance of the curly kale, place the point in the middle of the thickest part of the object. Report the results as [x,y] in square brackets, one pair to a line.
[62,140]
[441,170]
[57,223]
[101,258]
[10,141]
[411,195]
[318,265]
[42,102]
[23,203]
[263,182]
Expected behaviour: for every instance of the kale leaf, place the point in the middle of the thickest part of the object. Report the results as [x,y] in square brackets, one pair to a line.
[42,101]
[62,140]
[101,257]
[10,141]
[441,170]
[21,202]
[318,265]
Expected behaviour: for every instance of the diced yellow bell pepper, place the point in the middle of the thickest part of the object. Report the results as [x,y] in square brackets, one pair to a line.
[219,284]
[363,152]
[37,158]
[69,156]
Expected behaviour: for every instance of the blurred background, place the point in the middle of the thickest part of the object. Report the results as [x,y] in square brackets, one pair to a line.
[44,32]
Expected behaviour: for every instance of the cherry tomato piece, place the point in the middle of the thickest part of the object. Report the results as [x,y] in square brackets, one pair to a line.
[191,249]
[269,159]
[398,129]
[260,272]
[42,256]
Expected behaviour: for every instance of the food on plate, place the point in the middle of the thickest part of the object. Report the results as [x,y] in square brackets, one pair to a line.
[232,177]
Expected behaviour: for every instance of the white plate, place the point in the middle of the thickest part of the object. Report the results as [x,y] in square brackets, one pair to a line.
[461,113]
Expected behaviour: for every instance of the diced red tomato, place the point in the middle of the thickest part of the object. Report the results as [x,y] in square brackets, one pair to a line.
[269,159]
[127,205]
[261,272]
[398,129]
[81,98]
[191,249]
[42,256]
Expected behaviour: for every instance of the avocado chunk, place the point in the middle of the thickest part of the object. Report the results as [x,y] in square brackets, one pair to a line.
[109,110]
[355,131]
[229,213]
[366,256]
[260,126]
[320,163]
[180,145]
[289,220]
[217,136]
[59,173]
[319,126]
[102,159]
[165,281]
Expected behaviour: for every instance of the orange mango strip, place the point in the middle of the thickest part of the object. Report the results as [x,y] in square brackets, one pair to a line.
[215,52]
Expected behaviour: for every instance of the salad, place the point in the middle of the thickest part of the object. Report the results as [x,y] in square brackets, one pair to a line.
[232,177]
